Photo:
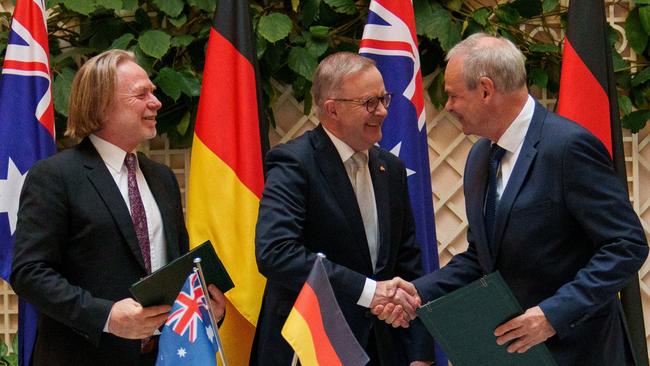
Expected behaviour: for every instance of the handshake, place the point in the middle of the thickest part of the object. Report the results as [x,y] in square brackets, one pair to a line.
[395,302]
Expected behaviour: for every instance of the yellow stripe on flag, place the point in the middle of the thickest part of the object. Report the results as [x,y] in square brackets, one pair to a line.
[223,210]
[236,337]
[296,331]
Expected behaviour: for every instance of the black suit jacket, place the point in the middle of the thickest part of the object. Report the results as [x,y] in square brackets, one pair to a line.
[566,238]
[76,253]
[309,206]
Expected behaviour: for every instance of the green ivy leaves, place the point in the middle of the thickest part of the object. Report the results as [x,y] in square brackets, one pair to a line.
[637,31]
[154,43]
[436,23]
[274,27]
[169,38]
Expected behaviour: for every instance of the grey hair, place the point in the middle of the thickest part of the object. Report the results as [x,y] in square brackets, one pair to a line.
[494,57]
[330,74]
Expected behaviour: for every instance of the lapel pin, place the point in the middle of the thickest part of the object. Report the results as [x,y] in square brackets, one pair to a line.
[381,168]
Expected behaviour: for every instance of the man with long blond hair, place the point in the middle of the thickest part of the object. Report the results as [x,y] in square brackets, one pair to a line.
[96,218]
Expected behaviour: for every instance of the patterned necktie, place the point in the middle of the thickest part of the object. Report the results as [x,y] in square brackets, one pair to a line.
[496,153]
[138,214]
[362,189]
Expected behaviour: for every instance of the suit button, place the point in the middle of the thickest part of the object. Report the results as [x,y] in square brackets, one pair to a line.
[572,326]
[368,314]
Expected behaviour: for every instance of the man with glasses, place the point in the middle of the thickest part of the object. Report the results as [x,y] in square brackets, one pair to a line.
[333,191]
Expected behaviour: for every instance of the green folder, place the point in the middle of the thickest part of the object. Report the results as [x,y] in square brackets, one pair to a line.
[163,286]
[463,323]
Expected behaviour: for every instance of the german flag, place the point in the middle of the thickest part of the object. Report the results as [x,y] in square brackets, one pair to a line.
[226,176]
[588,96]
[316,328]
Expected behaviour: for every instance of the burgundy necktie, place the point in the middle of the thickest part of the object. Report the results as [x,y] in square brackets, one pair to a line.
[138,215]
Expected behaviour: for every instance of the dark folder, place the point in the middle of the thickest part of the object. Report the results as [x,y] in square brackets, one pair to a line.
[162,286]
[463,323]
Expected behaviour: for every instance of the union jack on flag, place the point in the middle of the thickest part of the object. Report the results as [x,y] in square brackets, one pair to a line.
[389,38]
[188,337]
[26,134]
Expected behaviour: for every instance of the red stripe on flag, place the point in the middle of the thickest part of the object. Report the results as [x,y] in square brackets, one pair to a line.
[405,13]
[386,45]
[227,118]
[578,85]
[32,17]
[26,66]
[308,306]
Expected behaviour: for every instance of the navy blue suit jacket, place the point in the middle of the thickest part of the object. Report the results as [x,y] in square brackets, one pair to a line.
[309,206]
[566,238]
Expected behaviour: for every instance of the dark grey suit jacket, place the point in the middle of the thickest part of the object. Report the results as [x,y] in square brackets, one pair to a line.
[309,206]
[566,238]
[76,253]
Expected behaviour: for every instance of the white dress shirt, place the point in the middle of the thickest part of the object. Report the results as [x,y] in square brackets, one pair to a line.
[346,152]
[113,157]
[512,140]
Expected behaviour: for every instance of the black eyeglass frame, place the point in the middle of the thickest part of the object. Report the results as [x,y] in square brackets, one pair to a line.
[384,100]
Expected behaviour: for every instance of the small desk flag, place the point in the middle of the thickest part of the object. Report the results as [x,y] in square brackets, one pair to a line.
[188,337]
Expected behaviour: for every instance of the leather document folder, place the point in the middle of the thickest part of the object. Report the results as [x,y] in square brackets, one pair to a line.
[163,286]
[463,323]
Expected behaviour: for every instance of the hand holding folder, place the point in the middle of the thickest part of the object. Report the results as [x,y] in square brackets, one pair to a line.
[162,286]
[463,323]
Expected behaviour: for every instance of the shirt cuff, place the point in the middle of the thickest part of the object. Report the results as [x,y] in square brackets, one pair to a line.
[368,293]
[106,325]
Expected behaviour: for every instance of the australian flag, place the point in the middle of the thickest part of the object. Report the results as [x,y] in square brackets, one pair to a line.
[188,337]
[26,133]
[390,39]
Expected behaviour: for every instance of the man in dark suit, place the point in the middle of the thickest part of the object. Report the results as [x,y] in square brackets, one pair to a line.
[318,198]
[561,232]
[96,218]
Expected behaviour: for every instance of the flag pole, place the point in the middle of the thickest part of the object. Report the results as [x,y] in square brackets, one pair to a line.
[294,361]
[204,286]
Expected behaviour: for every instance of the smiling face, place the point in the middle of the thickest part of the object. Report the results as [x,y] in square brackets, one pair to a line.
[131,118]
[351,122]
[465,104]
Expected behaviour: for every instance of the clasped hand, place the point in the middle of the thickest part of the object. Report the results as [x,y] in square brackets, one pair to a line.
[395,302]
[128,319]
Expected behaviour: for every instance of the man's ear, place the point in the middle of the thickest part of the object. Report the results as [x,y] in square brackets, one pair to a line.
[486,86]
[329,108]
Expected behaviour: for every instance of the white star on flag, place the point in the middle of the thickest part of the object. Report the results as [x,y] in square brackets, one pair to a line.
[395,151]
[210,332]
[10,192]
[181,352]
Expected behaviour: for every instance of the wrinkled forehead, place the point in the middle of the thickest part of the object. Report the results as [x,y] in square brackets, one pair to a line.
[366,81]
[132,77]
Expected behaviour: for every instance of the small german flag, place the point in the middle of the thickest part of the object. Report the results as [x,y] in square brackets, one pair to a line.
[316,328]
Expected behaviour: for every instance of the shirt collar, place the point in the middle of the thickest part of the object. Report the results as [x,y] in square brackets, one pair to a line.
[516,132]
[112,155]
[344,150]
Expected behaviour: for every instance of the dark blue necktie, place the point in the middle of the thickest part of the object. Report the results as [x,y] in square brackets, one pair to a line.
[496,153]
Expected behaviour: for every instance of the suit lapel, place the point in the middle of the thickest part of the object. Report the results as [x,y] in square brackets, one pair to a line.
[104,183]
[379,177]
[161,195]
[475,189]
[520,171]
[330,164]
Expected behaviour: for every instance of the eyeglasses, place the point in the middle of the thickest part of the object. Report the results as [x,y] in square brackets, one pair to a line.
[371,103]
